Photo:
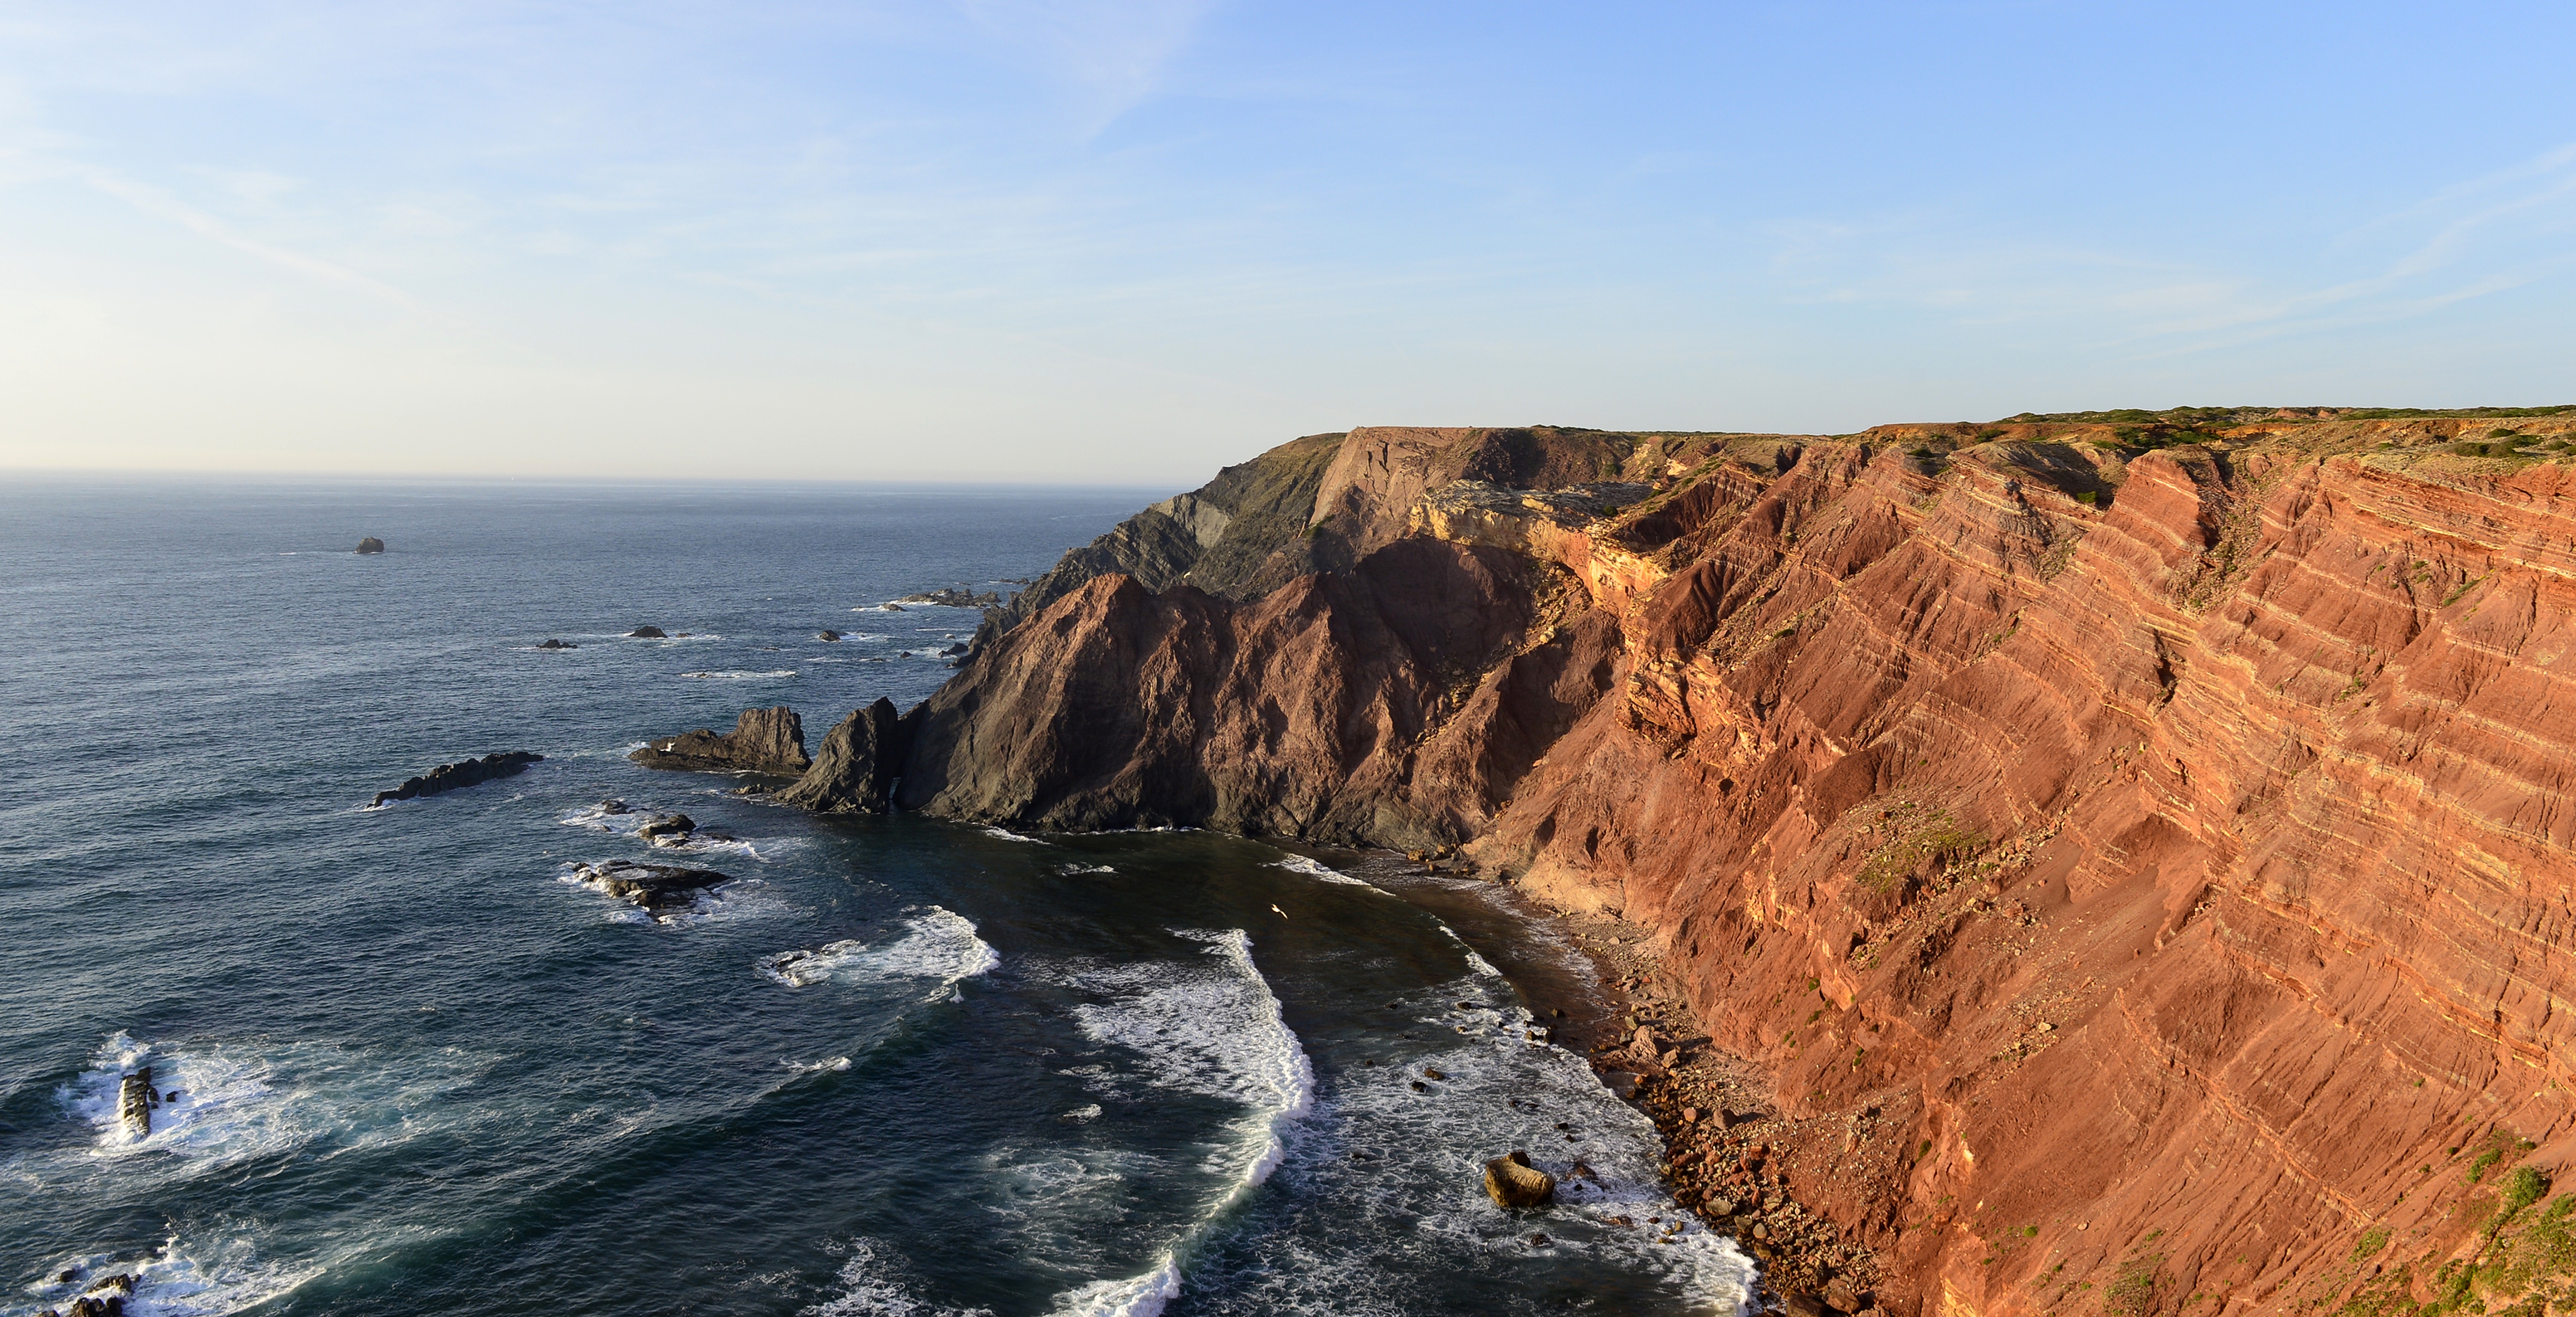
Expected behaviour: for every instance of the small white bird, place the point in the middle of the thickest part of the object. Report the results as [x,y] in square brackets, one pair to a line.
[1274,909]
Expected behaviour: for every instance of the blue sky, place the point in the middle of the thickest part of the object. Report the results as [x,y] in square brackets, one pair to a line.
[992,239]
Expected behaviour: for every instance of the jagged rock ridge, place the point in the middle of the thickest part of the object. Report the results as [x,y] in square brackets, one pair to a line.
[767,741]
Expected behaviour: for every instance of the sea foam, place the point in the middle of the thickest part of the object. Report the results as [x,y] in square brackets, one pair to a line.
[1211,1028]
[176,1280]
[937,947]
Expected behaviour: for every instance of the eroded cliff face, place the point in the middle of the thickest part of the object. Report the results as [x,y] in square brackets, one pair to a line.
[2162,857]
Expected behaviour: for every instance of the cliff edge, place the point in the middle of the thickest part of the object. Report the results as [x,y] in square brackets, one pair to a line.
[2147,833]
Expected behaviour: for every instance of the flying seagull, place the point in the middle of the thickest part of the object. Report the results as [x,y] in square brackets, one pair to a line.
[1274,909]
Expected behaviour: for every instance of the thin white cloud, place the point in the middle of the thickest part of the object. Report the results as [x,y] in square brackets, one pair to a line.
[154,202]
[1113,52]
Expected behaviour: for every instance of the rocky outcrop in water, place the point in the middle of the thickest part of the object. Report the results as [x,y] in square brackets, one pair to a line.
[656,889]
[647,633]
[558,644]
[466,773]
[135,1101]
[770,741]
[856,771]
[1513,1183]
[2137,847]
[953,597]
[371,545]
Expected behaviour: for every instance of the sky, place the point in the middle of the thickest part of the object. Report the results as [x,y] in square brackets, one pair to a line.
[1127,243]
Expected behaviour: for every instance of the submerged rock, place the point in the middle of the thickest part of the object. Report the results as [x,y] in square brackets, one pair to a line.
[465,773]
[653,888]
[855,773]
[648,633]
[762,741]
[827,634]
[558,644]
[371,545]
[1513,1182]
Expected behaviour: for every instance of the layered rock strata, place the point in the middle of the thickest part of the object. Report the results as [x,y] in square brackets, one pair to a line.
[2148,847]
[767,741]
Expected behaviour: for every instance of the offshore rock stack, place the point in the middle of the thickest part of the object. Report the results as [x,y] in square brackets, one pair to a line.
[135,1101]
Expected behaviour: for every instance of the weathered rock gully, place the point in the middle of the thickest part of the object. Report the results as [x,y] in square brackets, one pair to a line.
[2136,862]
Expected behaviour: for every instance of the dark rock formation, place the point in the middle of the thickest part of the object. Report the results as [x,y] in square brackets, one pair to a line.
[1514,1183]
[647,633]
[768,741]
[657,889]
[135,1100]
[2139,854]
[558,644]
[1239,536]
[667,829]
[827,635]
[449,777]
[856,772]
[954,597]
[371,545]
[1310,714]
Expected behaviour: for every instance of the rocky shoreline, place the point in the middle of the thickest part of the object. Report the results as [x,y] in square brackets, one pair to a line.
[1726,1146]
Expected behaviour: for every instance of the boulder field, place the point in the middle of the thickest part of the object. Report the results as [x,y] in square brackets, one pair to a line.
[2142,840]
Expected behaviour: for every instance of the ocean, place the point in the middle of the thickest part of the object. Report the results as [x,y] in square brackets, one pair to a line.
[898,1066]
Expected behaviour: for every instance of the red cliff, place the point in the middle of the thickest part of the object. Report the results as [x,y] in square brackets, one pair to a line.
[2153,848]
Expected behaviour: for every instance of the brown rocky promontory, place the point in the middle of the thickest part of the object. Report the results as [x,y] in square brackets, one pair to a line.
[856,772]
[768,741]
[2135,847]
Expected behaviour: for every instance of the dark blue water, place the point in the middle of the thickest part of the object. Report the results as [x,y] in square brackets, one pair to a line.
[422,1071]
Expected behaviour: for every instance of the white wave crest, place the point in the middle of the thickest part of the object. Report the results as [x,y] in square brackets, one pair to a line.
[736,675]
[938,947]
[1300,864]
[1475,962]
[1139,1296]
[1213,1030]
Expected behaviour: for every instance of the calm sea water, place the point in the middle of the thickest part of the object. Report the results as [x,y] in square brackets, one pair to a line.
[421,1071]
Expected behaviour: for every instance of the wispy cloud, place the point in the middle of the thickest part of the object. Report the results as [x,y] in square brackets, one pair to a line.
[1112,52]
[154,202]
[2475,238]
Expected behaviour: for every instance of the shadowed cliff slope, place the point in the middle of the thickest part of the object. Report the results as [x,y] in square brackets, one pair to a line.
[2151,831]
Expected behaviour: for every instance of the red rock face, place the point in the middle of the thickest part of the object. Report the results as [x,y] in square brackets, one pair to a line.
[2164,861]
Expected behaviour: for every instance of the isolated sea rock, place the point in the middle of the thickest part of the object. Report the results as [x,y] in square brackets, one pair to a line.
[647,633]
[768,741]
[855,773]
[465,773]
[656,889]
[135,1100]
[371,545]
[827,635]
[1514,1183]
[558,644]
